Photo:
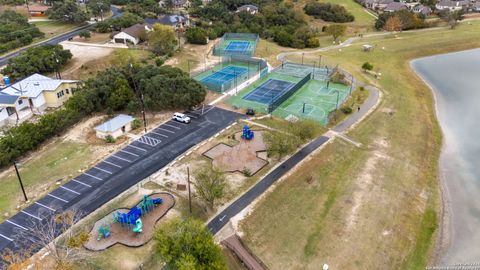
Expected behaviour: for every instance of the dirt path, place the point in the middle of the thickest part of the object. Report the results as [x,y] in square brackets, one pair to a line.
[83,54]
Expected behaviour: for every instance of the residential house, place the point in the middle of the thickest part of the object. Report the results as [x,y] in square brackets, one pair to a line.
[132,34]
[476,7]
[395,6]
[179,23]
[37,10]
[32,95]
[376,4]
[248,8]
[421,9]
[451,5]
[115,127]
[176,4]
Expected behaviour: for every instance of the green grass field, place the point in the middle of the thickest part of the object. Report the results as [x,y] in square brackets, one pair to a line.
[57,162]
[377,205]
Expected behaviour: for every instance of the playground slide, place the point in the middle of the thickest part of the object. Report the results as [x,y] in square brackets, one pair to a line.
[138,226]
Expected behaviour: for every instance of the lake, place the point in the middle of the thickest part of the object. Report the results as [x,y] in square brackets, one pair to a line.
[455,81]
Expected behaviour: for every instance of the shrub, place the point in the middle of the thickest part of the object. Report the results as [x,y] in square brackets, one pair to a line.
[78,240]
[197,36]
[109,139]
[328,12]
[367,66]
[136,124]
[246,172]
[346,109]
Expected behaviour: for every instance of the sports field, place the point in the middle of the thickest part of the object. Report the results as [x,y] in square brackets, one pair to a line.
[236,44]
[226,76]
[314,101]
[257,95]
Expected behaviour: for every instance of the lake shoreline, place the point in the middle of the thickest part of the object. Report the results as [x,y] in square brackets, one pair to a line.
[445,230]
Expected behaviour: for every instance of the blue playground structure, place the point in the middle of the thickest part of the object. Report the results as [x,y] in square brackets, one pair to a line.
[132,219]
[247,133]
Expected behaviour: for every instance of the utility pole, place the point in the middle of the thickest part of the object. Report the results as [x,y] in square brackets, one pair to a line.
[189,191]
[302,58]
[20,181]
[141,98]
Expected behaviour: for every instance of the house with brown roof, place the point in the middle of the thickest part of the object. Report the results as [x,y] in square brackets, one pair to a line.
[37,10]
[132,34]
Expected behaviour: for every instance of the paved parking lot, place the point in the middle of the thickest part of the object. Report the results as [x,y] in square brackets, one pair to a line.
[121,170]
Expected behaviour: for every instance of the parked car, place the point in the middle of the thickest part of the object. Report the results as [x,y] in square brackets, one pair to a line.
[180,117]
[250,111]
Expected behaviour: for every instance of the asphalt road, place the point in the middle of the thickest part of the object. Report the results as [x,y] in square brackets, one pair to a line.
[224,217]
[118,172]
[57,39]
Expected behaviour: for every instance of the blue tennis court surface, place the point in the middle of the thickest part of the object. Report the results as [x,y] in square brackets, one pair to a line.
[224,75]
[237,46]
[269,91]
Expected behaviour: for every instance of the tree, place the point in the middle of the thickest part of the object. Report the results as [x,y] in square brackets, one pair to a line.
[279,144]
[162,39]
[197,36]
[98,7]
[408,19]
[367,66]
[65,250]
[85,34]
[210,185]
[451,17]
[393,24]
[187,244]
[304,130]
[336,31]
[15,31]
[42,59]
[67,11]
[328,12]
[121,96]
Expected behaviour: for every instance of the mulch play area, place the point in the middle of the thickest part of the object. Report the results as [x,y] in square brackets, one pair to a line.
[124,234]
[241,157]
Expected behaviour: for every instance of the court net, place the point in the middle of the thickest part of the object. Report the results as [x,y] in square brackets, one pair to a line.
[277,101]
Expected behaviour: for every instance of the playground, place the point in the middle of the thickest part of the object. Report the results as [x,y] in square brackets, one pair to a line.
[227,75]
[241,157]
[236,44]
[130,227]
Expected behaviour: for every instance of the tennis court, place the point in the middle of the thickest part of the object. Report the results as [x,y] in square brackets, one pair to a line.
[269,91]
[237,46]
[225,75]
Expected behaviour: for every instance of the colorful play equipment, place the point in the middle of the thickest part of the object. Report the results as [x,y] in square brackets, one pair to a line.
[247,133]
[104,231]
[132,219]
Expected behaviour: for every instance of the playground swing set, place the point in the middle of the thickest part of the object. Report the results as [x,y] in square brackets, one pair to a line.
[132,219]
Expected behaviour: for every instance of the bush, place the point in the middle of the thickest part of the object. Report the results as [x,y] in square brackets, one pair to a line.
[305,129]
[78,240]
[197,36]
[136,124]
[346,109]
[328,12]
[246,172]
[367,66]
[15,31]
[109,139]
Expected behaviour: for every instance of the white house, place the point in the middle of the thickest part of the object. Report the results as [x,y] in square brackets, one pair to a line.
[248,8]
[132,34]
[421,9]
[32,95]
[451,5]
[115,127]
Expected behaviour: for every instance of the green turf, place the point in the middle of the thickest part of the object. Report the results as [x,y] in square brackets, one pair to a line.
[319,101]
[222,46]
[237,100]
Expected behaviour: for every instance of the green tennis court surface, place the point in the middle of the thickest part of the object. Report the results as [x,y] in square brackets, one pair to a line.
[236,44]
[318,99]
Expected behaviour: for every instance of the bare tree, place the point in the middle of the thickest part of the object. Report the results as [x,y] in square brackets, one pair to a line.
[393,24]
[15,259]
[56,235]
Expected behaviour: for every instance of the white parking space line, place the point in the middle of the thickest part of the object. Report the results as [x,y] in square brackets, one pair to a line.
[190,115]
[113,164]
[9,239]
[13,223]
[170,126]
[81,183]
[165,130]
[136,147]
[93,176]
[28,214]
[42,205]
[58,198]
[158,134]
[124,159]
[150,141]
[176,122]
[67,189]
[100,169]
[125,151]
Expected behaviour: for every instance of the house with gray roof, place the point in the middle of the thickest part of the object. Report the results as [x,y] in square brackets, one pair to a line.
[451,5]
[33,95]
[178,22]
[252,9]
[395,6]
[115,127]
[421,9]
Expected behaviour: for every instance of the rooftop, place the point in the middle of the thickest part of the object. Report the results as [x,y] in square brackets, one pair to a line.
[171,19]
[33,86]
[115,123]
